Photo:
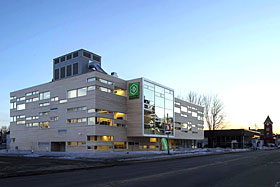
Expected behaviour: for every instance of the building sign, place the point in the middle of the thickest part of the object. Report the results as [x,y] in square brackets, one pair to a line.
[134,90]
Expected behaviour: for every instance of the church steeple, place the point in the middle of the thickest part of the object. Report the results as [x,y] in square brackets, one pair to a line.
[268,121]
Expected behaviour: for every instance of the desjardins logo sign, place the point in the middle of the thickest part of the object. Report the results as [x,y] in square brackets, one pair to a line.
[134,90]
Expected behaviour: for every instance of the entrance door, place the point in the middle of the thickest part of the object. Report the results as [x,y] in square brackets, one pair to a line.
[57,146]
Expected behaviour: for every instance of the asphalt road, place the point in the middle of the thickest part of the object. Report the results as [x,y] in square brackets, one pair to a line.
[260,168]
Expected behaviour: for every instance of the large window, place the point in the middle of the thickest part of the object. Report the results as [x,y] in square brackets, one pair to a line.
[75,69]
[77,93]
[45,95]
[21,107]
[69,70]
[158,109]
[62,72]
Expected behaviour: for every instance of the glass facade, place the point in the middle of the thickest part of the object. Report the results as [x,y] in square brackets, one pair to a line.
[158,109]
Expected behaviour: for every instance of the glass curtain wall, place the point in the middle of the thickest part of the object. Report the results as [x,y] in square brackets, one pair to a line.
[158,109]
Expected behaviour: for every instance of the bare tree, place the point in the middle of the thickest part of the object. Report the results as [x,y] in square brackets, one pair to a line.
[213,112]
[194,98]
[213,109]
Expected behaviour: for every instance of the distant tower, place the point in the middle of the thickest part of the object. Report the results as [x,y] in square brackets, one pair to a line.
[268,133]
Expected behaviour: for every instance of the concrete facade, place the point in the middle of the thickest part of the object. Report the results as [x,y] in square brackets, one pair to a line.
[92,111]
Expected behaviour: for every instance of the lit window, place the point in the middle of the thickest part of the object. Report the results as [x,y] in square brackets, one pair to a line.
[45,124]
[106,138]
[45,95]
[119,115]
[72,94]
[153,140]
[21,107]
[119,91]
[20,122]
[54,118]
[54,99]
[91,120]
[89,88]
[82,92]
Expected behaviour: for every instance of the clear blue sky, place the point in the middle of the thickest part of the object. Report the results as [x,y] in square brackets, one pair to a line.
[226,47]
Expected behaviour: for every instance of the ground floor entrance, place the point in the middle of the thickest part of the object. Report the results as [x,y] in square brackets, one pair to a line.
[58,146]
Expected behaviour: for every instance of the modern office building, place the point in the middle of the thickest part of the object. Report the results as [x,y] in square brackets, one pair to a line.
[84,109]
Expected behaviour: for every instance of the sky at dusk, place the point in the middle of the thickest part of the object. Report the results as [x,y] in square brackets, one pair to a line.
[229,48]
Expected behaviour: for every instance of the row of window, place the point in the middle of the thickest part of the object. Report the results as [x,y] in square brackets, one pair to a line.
[100,138]
[100,80]
[68,69]
[95,121]
[68,57]
[120,145]
[76,143]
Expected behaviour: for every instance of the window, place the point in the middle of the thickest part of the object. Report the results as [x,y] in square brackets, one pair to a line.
[13,105]
[77,92]
[105,81]
[86,54]
[91,79]
[106,138]
[153,140]
[44,113]
[20,122]
[177,110]
[69,70]
[75,54]
[13,119]
[91,120]
[119,115]
[56,61]
[72,144]
[74,109]
[44,104]
[89,88]
[21,99]
[77,120]
[75,69]
[62,59]
[97,58]
[62,72]
[92,110]
[31,118]
[45,124]
[82,92]
[184,109]
[63,101]
[69,56]
[105,121]
[72,94]
[103,89]
[54,99]
[13,97]
[56,74]
[45,95]
[54,118]
[62,131]
[120,145]
[21,107]
[119,91]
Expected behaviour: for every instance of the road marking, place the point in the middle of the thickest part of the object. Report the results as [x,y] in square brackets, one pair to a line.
[164,174]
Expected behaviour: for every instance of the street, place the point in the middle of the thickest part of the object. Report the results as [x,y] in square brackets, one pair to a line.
[259,168]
